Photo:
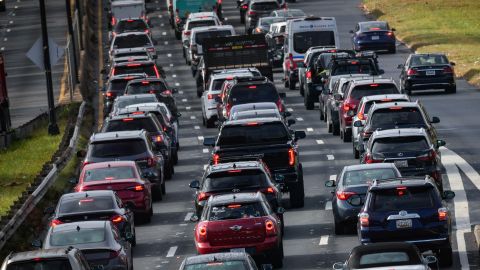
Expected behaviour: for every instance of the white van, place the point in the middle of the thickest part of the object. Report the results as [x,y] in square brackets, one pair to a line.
[300,35]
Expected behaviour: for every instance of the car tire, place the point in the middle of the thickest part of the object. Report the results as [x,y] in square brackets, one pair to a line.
[286,83]
[329,125]
[175,156]
[451,90]
[204,121]
[445,256]
[163,188]
[169,170]
[346,137]
[297,192]
[134,240]
[178,35]
[242,19]
[146,218]
[393,50]
[321,112]
[308,101]
[335,128]
[277,256]
[210,123]
[302,89]
[157,193]
[356,153]
[291,84]
[339,228]
[184,54]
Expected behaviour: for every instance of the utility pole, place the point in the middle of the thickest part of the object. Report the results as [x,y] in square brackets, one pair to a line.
[52,125]
[72,39]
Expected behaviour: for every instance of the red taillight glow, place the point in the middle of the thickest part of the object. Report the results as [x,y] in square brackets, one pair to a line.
[202,233]
[145,82]
[114,254]
[251,12]
[361,116]
[373,85]
[202,196]
[245,7]
[134,65]
[127,119]
[177,20]
[431,155]
[156,71]
[129,20]
[216,159]
[252,87]
[117,219]
[344,195]
[114,21]
[279,105]
[411,72]
[234,206]
[109,94]
[166,93]
[346,107]
[138,112]
[139,188]
[271,190]
[396,108]
[158,138]
[270,228]
[447,70]
[363,219]
[187,33]
[369,159]
[234,171]
[211,96]
[308,74]
[151,162]
[55,222]
[442,214]
[390,34]
[252,124]
[291,157]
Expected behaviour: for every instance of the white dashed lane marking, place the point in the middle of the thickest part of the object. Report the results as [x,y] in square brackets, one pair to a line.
[188,216]
[330,157]
[171,251]
[310,129]
[323,240]
[320,142]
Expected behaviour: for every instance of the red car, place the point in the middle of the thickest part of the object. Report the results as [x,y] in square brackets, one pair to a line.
[241,222]
[123,177]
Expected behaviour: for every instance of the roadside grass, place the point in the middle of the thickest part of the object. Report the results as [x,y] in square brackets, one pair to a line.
[24,159]
[448,26]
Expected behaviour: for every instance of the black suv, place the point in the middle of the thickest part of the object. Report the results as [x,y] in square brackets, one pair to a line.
[128,145]
[239,176]
[407,209]
[57,258]
[114,87]
[159,87]
[150,123]
[270,138]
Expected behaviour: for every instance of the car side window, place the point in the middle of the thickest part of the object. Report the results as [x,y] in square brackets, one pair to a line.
[119,201]
[357,27]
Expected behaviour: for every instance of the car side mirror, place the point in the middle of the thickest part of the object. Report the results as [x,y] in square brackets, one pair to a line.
[49,210]
[218,99]
[266,267]
[351,113]
[154,57]
[194,184]
[209,141]
[73,181]
[128,236]
[393,29]
[179,114]
[358,123]
[351,32]
[430,259]
[37,243]
[337,97]
[279,178]
[282,95]
[452,63]
[148,175]
[300,134]
[400,66]
[381,71]
[280,210]
[287,114]
[441,143]
[291,122]
[448,195]
[330,183]
[355,200]
[338,266]
[435,120]
[174,90]
[81,153]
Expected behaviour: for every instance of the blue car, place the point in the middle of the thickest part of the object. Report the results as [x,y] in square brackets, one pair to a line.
[410,210]
[373,35]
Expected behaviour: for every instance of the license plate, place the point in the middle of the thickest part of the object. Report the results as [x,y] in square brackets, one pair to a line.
[404,223]
[430,72]
[401,163]
[375,37]
[237,250]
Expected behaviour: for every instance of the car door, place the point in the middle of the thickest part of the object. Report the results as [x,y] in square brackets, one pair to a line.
[403,71]
[355,34]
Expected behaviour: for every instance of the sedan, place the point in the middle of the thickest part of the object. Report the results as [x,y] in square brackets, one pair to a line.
[373,35]
[221,261]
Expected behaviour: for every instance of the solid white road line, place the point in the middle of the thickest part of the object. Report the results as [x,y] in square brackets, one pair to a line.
[323,240]
[310,129]
[205,150]
[200,138]
[328,205]
[299,119]
[320,142]
[171,251]
[188,216]
[330,157]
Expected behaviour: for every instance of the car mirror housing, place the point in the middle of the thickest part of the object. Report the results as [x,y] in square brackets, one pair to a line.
[448,195]
[338,266]
[291,122]
[430,259]
[194,184]
[435,120]
[280,210]
[37,243]
[330,183]
[441,143]
[209,141]
[358,123]
[300,134]
[279,178]
[400,66]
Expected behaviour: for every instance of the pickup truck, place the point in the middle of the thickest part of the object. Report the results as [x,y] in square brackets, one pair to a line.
[269,139]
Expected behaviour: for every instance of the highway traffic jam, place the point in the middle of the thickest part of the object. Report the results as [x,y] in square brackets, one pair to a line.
[391,203]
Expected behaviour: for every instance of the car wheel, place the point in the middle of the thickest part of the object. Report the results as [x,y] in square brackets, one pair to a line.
[291,84]
[329,125]
[302,89]
[178,35]
[175,156]
[163,188]
[242,19]
[346,136]
[157,193]
[277,257]
[286,82]
[184,55]
[134,240]
[169,170]
[356,154]
[297,192]
[210,123]
[322,115]
[335,128]
[308,101]
[451,90]
[445,255]
[339,227]
[204,121]
[147,217]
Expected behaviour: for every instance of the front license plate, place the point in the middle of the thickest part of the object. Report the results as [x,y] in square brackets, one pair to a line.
[237,250]
[375,37]
[404,223]
[401,163]
[430,72]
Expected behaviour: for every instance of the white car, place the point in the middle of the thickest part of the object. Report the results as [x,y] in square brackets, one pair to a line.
[130,40]
[198,19]
[199,34]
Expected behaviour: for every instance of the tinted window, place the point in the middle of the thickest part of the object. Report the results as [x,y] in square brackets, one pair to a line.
[200,37]
[372,89]
[236,211]
[126,54]
[264,6]
[131,41]
[235,179]
[110,173]
[86,204]
[403,199]
[47,264]
[148,69]
[357,68]
[230,265]
[131,26]
[251,94]
[420,60]
[384,258]
[362,177]
[74,237]
[373,26]
[217,84]
[122,103]
[396,144]
[145,87]
[268,133]
[396,116]
[118,148]
[131,124]
[257,114]
[194,24]
[118,85]
[304,40]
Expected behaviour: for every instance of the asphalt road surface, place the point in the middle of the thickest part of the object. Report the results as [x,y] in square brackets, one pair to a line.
[309,241]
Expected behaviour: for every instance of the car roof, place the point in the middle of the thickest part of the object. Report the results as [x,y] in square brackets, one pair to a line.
[399,132]
[253,106]
[235,198]
[117,135]
[131,18]
[39,253]
[366,80]
[149,79]
[85,194]
[135,96]
[368,22]
[202,14]
[84,224]
[372,166]
[139,33]
[136,62]
[211,28]
[427,54]
[216,257]
[126,76]
[134,116]
[237,165]
[385,96]
[395,103]
[261,120]
[217,76]
[99,165]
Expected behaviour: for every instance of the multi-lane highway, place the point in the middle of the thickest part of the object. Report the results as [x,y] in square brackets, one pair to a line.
[310,242]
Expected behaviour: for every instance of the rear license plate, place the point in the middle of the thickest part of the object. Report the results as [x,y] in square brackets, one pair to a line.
[404,223]
[401,163]
[375,37]
[430,72]
[237,250]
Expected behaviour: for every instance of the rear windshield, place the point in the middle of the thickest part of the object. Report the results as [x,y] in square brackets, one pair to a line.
[373,26]
[122,103]
[402,199]
[236,211]
[304,40]
[350,68]
[396,116]
[131,54]
[230,265]
[387,258]
[396,144]
[268,133]
[264,6]
[131,124]
[369,104]
[118,85]
[235,179]
[217,84]
[86,204]
[252,94]
[145,87]
[131,26]
[131,41]
[373,89]
[74,237]
[200,37]
[426,60]
[47,264]
[118,148]
[363,177]
[110,173]
[148,69]
[194,24]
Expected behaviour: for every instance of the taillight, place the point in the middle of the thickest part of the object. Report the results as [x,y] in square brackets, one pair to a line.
[245,7]
[186,33]
[151,162]
[291,157]
[251,12]
[228,106]
[211,96]
[137,188]
[114,254]
[447,70]
[114,21]
[430,155]
[361,116]
[363,219]
[202,233]
[270,228]
[109,94]
[216,159]
[151,49]
[346,107]
[258,30]
[344,195]
[390,34]
[411,72]
[270,190]
[202,196]
[177,20]
[117,219]
[147,31]
[369,159]
[442,214]
[156,71]
[279,105]
[55,222]
[308,74]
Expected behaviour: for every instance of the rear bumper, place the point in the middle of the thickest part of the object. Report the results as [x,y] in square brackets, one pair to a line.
[269,244]
[430,83]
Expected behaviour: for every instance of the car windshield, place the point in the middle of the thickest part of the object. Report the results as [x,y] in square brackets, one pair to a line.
[397,116]
[193,24]
[229,265]
[255,114]
[302,41]
[122,103]
[148,69]
[145,87]
[252,94]
[235,179]
[427,60]
[131,26]
[126,124]
[109,173]
[358,92]
[86,204]
[363,177]
[74,237]
[236,211]
[264,6]
[200,37]
[403,198]
[131,41]
[46,264]
[400,144]
[373,26]
[118,148]
[251,134]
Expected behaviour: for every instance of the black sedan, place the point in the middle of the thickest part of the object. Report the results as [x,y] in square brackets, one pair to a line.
[373,35]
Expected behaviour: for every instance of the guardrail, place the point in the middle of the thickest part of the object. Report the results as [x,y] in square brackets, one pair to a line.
[24,208]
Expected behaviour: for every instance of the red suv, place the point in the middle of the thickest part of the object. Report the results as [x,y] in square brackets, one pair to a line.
[241,222]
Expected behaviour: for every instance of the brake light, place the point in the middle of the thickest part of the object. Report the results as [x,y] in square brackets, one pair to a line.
[127,119]
[114,254]
[151,162]
[396,108]
[390,34]
[139,188]
[291,157]
[401,191]
[177,19]
[186,33]
[216,159]
[252,124]
[234,171]
[55,222]
[344,195]
[430,155]
[369,159]
[151,49]
[113,71]
[227,109]
[156,71]
[211,96]
[202,196]
[114,21]
[245,7]
[411,72]
[447,70]
[442,214]
[251,12]
[202,233]
[308,74]
[279,105]
[109,94]
[346,107]
[166,93]
[270,228]
[138,112]
[252,87]
[147,31]
[361,116]
[234,206]
[258,30]
[270,190]
[134,65]
[363,219]
[373,85]
[374,28]
[117,219]
[158,138]
[129,20]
